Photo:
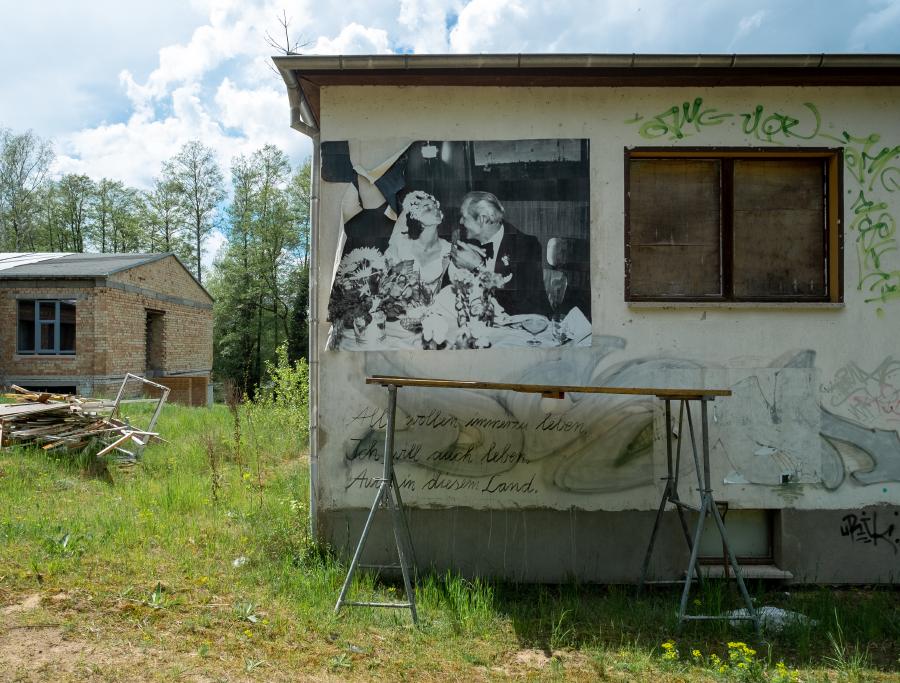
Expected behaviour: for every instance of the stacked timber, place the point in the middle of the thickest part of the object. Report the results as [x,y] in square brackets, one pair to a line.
[59,421]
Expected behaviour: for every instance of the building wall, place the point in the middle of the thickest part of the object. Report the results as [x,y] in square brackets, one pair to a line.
[165,286]
[52,369]
[111,330]
[815,388]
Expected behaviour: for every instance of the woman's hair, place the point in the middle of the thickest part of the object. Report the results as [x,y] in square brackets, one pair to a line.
[412,207]
[414,228]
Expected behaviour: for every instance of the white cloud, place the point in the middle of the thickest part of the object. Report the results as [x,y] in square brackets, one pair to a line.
[747,25]
[218,87]
[135,85]
[354,39]
[877,25]
[214,243]
[425,24]
[484,23]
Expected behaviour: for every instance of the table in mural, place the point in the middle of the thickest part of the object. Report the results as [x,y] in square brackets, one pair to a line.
[389,491]
[524,330]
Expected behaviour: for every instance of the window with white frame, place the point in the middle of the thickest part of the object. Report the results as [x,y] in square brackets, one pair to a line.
[46,327]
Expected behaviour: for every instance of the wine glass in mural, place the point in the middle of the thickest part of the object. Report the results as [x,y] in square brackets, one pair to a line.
[534,325]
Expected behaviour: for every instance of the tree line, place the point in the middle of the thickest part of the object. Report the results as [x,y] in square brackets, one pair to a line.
[260,277]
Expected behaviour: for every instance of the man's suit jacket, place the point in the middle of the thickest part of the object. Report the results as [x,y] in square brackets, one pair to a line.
[521,255]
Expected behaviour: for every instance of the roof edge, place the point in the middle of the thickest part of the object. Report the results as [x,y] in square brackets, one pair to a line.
[156,257]
[160,257]
[320,63]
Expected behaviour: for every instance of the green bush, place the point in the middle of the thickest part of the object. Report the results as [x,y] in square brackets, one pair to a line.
[284,401]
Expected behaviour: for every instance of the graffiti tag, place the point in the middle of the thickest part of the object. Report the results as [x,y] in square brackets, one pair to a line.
[863,528]
[672,121]
[874,170]
[868,395]
[768,126]
[875,236]
[871,167]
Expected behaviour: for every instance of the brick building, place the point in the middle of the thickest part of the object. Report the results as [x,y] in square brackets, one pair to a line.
[80,322]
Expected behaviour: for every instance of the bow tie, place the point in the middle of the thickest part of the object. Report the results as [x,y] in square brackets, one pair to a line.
[487,248]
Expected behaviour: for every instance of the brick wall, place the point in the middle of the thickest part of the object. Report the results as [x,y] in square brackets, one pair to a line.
[166,276]
[82,363]
[111,329]
[187,390]
[122,328]
[186,327]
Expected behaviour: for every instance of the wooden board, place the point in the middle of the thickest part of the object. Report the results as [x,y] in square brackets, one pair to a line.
[548,390]
[17,409]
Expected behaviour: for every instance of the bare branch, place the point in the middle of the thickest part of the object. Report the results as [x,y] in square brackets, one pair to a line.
[289,47]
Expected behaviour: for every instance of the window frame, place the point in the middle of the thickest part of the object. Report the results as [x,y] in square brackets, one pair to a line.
[833,209]
[38,322]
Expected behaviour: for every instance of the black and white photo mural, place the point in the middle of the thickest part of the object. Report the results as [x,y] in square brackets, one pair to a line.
[461,245]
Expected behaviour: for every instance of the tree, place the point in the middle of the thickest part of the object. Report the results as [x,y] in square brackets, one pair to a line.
[299,193]
[298,330]
[255,280]
[127,207]
[200,185]
[165,217]
[24,163]
[75,195]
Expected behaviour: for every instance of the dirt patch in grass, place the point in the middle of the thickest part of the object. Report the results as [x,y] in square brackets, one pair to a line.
[29,604]
[39,653]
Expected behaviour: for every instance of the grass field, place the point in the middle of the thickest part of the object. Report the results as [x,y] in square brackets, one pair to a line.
[197,565]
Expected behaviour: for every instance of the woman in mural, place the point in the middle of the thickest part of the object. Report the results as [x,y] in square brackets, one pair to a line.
[415,238]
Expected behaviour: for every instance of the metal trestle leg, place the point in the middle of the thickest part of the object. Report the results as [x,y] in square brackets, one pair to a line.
[388,496]
[707,507]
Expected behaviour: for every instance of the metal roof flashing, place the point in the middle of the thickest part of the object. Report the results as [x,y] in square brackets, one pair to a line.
[304,75]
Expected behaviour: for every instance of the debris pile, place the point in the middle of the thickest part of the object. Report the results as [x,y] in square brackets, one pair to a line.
[65,421]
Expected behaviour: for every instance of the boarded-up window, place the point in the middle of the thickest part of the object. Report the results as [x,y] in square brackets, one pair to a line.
[731,226]
[675,227]
[779,228]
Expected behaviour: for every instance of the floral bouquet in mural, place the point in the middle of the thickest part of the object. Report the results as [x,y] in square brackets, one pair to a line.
[354,296]
[369,291]
[476,311]
[403,297]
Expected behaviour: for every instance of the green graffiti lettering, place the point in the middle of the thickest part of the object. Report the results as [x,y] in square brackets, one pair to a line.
[870,167]
[887,286]
[673,120]
[777,124]
[751,121]
[876,230]
[817,125]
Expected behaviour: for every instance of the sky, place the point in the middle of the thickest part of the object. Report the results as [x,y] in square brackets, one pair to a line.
[119,86]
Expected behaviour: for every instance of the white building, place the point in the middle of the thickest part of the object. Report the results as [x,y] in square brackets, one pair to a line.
[699,221]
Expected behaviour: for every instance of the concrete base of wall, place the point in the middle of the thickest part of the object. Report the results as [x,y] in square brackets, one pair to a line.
[550,546]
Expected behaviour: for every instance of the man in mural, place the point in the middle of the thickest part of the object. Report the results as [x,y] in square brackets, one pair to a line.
[492,242]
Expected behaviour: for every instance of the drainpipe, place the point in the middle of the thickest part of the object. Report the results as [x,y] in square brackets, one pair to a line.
[302,120]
